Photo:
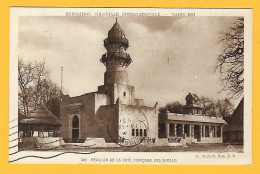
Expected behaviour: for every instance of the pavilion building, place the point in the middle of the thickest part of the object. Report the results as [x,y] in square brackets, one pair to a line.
[112,112]
[193,126]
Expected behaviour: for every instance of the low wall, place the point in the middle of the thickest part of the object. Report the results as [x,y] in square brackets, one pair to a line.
[44,142]
[95,142]
[100,142]
[162,142]
[189,140]
[112,145]
[211,140]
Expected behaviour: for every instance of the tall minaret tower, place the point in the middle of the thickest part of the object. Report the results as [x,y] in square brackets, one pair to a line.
[116,61]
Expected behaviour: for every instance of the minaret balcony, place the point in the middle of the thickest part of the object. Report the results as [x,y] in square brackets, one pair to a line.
[123,58]
[123,41]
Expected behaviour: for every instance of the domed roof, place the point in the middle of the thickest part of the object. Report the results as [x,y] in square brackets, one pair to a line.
[116,26]
[116,31]
[116,35]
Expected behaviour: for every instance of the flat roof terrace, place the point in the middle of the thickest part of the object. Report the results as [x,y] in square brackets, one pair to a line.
[192,118]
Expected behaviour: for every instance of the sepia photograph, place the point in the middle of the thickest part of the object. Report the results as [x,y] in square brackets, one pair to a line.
[100,84]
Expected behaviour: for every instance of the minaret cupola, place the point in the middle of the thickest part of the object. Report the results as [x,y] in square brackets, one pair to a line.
[116,45]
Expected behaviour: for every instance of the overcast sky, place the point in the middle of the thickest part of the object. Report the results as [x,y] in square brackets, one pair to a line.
[76,44]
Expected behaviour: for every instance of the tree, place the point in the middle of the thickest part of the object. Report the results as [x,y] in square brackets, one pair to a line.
[35,87]
[174,107]
[231,60]
[54,106]
[41,74]
[220,108]
[225,109]
[25,78]
[208,104]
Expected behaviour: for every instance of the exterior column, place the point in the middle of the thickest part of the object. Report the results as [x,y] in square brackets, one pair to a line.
[221,134]
[216,131]
[182,128]
[170,129]
[169,134]
[211,131]
[201,131]
[190,130]
[175,130]
[166,130]
[203,127]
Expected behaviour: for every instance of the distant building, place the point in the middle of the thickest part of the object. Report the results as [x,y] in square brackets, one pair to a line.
[112,112]
[234,132]
[193,126]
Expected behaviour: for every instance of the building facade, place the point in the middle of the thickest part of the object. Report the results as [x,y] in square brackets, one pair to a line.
[112,112]
[193,126]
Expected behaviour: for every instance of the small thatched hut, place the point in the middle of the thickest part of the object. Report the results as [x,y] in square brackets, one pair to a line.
[40,122]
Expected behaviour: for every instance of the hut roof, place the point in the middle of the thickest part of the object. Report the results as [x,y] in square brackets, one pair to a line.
[41,115]
[237,119]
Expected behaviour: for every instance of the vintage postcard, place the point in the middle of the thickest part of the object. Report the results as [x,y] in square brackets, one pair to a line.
[130,86]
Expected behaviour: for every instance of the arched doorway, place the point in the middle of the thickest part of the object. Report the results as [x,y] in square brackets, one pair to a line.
[75,127]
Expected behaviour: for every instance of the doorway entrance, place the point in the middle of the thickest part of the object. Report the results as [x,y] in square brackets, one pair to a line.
[75,127]
[197,132]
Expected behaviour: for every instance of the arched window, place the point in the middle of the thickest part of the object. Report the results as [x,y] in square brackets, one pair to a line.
[133,132]
[141,132]
[137,133]
[124,93]
[145,133]
[75,127]
[75,122]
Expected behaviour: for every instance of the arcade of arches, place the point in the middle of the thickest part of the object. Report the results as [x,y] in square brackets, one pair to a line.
[195,131]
